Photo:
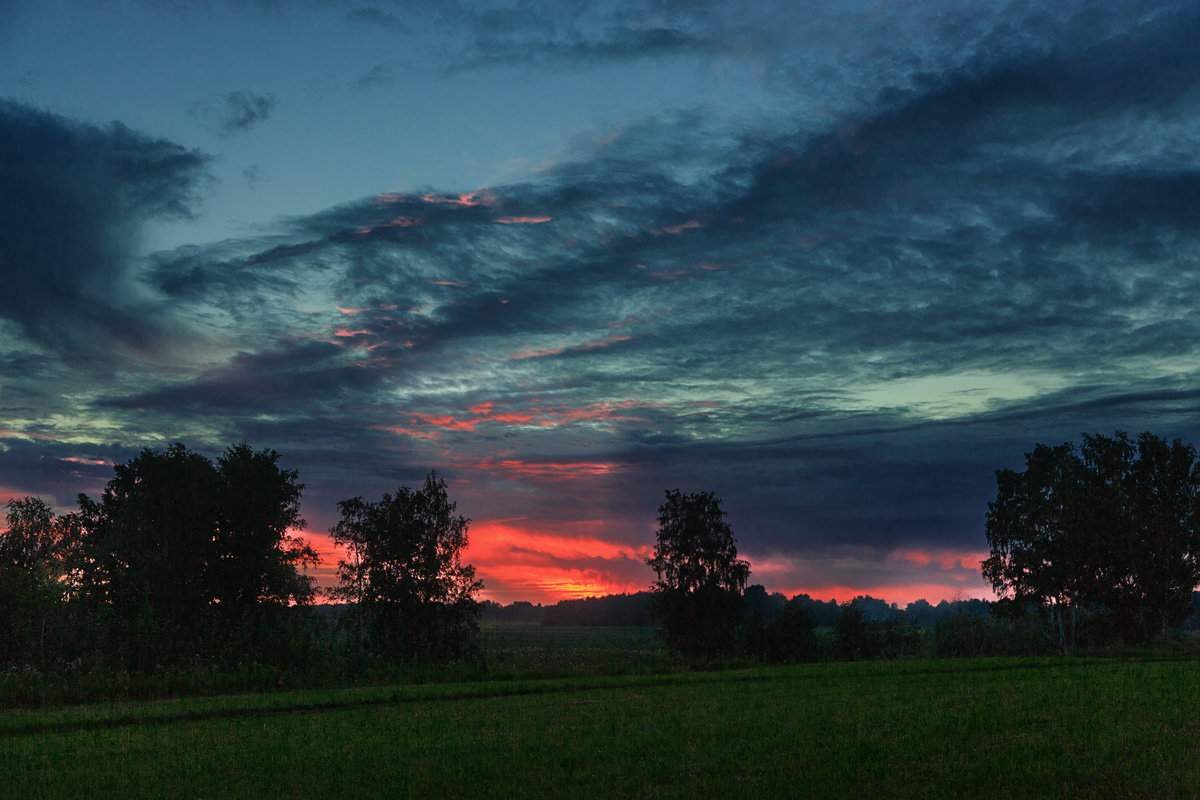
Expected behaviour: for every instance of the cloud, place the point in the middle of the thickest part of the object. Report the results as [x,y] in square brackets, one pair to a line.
[375,76]
[376,18]
[841,321]
[235,112]
[903,303]
[617,43]
[253,175]
[73,197]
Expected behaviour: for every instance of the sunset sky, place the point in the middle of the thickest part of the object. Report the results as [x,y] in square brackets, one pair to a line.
[835,261]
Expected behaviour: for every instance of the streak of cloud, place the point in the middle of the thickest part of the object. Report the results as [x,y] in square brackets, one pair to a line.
[236,112]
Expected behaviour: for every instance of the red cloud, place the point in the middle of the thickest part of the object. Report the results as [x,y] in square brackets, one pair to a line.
[520,559]
[479,197]
[555,351]
[546,562]
[9,433]
[532,416]
[931,575]
[946,559]
[521,220]
[517,469]
[677,229]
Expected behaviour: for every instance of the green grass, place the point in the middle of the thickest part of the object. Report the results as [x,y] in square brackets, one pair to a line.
[533,649]
[509,650]
[981,728]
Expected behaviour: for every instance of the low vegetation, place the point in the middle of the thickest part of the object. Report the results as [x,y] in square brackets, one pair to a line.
[1022,728]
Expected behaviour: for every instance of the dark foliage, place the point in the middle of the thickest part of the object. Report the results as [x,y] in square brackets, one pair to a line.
[180,542]
[1102,540]
[413,597]
[181,559]
[855,635]
[614,609]
[518,611]
[792,637]
[33,589]
[700,579]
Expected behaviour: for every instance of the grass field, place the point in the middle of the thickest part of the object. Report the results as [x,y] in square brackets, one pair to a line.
[982,728]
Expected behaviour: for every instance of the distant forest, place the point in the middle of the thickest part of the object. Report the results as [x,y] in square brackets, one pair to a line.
[635,609]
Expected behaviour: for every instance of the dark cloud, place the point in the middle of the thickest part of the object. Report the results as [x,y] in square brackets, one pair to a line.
[236,112]
[282,380]
[73,197]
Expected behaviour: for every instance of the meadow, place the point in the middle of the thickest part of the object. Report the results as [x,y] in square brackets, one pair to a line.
[1046,727]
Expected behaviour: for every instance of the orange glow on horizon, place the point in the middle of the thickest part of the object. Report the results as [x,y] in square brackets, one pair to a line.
[901,595]
[491,537]
[541,561]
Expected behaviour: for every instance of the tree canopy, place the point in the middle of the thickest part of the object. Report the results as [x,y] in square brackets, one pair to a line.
[699,578]
[404,570]
[1106,533]
[186,537]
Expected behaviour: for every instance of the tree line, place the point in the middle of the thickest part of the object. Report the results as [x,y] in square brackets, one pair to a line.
[184,560]
[1095,545]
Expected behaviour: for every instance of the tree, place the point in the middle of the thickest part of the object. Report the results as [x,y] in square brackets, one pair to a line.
[792,636]
[33,583]
[1163,489]
[1108,531]
[855,635]
[1037,534]
[404,571]
[258,505]
[699,578]
[182,544]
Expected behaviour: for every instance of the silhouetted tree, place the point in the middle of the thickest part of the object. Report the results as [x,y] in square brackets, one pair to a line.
[1108,531]
[178,549]
[792,636]
[404,572]
[1037,530]
[700,579]
[758,600]
[1164,489]
[854,635]
[33,584]
[258,505]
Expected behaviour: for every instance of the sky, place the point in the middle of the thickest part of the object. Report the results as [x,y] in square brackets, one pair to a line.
[836,262]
